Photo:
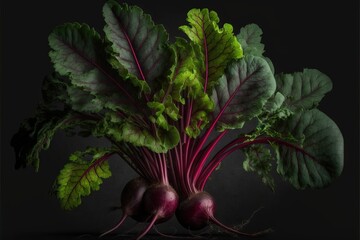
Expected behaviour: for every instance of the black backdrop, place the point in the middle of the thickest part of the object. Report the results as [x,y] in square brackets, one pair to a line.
[297,34]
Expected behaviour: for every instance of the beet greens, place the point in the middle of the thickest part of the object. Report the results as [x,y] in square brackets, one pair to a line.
[164,107]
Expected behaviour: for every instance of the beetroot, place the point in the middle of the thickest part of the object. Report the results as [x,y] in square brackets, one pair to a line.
[131,202]
[159,201]
[194,213]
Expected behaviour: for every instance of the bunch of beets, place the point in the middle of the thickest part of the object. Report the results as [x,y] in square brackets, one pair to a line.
[164,107]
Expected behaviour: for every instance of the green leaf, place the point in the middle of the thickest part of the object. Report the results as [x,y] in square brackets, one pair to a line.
[303,90]
[78,53]
[258,160]
[202,107]
[35,134]
[184,83]
[271,65]
[242,92]
[185,74]
[58,90]
[250,40]
[138,46]
[317,158]
[123,130]
[218,46]
[80,177]
[274,102]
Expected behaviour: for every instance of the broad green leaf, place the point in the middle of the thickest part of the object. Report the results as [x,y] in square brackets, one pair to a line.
[303,90]
[242,92]
[58,90]
[218,46]
[36,133]
[138,46]
[271,65]
[250,40]
[258,160]
[317,158]
[78,53]
[123,130]
[80,177]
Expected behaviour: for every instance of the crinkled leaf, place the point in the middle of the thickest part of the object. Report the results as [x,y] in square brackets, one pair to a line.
[317,158]
[186,74]
[202,107]
[250,40]
[54,90]
[274,102]
[218,46]
[138,46]
[184,83]
[242,92]
[36,133]
[158,118]
[80,177]
[271,65]
[273,111]
[303,90]
[123,130]
[183,72]
[58,90]
[258,160]
[78,53]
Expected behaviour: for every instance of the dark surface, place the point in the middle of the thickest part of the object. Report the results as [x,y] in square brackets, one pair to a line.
[296,35]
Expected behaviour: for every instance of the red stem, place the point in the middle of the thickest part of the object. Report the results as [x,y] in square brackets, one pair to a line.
[201,162]
[236,145]
[173,175]
[151,161]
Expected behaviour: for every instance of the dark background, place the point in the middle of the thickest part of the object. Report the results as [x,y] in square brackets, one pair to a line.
[297,34]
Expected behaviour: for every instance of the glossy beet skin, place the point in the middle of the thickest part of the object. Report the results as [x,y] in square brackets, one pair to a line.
[195,212]
[131,199]
[160,200]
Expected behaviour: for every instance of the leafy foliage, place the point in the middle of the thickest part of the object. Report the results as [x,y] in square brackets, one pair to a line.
[123,130]
[138,46]
[218,46]
[36,133]
[158,102]
[258,160]
[317,159]
[78,52]
[303,90]
[80,177]
[250,40]
[242,92]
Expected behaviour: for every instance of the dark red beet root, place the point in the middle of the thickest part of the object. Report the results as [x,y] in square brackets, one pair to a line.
[160,200]
[131,202]
[195,212]
[131,199]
